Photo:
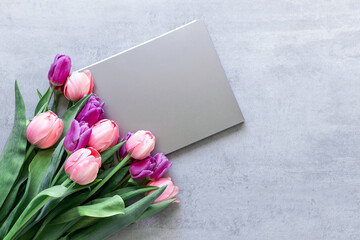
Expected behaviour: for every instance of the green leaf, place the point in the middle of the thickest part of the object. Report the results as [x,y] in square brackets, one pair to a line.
[57,206]
[10,200]
[37,170]
[155,208]
[99,208]
[33,207]
[39,93]
[106,155]
[108,226]
[132,182]
[15,196]
[43,102]
[114,181]
[55,231]
[103,173]
[71,114]
[29,235]
[13,154]
[64,205]
[54,165]
[83,223]
[54,202]
[130,192]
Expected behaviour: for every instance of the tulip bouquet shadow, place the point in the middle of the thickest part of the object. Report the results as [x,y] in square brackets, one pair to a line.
[70,177]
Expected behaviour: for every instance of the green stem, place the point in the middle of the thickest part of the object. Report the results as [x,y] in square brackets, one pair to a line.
[55,103]
[47,103]
[117,168]
[59,173]
[66,182]
[29,151]
[51,93]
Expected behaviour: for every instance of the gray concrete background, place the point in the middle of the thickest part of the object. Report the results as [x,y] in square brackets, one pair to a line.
[291,171]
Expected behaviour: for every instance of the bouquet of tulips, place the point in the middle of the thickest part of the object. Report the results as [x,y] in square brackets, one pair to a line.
[70,177]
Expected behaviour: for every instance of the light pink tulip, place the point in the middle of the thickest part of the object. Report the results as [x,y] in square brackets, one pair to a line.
[78,84]
[83,165]
[140,145]
[170,191]
[44,130]
[105,134]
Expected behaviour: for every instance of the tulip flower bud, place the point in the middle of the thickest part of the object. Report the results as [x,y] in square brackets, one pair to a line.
[92,112]
[59,70]
[122,150]
[170,191]
[140,145]
[78,85]
[105,134]
[83,165]
[143,168]
[161,167]
[44,130]
[77,137]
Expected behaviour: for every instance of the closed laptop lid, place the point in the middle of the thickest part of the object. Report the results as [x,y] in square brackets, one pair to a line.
[173,85]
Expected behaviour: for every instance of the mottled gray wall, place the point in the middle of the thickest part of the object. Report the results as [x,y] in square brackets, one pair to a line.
[292,171]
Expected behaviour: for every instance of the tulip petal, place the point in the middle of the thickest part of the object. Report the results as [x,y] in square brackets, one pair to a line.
[84,139]
[143,174]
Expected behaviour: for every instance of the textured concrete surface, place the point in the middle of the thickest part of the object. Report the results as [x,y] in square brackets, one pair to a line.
[292,171]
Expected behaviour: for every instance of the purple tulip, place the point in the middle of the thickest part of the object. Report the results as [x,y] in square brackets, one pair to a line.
[59,70]
[142,168]
[77,137]
[161,167]
[92,112]
[122,151]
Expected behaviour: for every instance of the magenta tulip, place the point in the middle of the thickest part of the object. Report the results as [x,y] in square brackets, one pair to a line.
[92,112]
[170,191]
[44,130]
[83,165]
[77,136]
[143,168]
[122,150]
[59,70]
[162,165]
[140,145]
[78,85]
[105,134]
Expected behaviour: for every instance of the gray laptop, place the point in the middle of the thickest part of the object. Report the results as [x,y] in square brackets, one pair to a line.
[173,85]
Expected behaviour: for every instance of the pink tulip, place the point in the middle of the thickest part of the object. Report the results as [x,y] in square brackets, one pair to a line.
[83,165]
[140,145]
[170,191]
[105,134]
[44,130]
[78,84]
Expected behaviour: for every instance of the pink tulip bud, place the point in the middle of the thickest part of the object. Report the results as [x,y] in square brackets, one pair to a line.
[44,130]
[83,165]
[140,145]
[170,191]
[105,134]
[78,85]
